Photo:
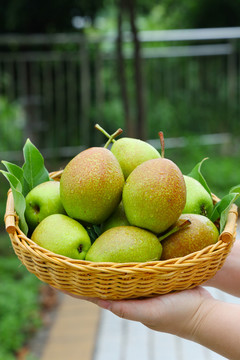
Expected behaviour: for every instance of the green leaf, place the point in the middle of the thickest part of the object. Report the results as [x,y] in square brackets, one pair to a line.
[34,171]
[235,189]
[19,199]
[197,175]
[97,230]
[94,232]
[17,171]
[14,170]
[222,207]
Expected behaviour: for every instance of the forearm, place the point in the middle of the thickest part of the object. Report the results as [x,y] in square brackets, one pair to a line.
[228,277]
[219,328]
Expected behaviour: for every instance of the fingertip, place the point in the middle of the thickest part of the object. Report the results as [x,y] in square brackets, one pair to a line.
[104,304]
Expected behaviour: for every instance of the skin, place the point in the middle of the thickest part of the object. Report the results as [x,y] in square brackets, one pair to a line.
[192,314]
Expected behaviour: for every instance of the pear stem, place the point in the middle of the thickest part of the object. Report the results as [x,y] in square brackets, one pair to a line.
[118,132]
[98,127]
[182,225]
[161,136]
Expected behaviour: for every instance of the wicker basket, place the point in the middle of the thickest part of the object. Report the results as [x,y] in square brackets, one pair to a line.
[119,280]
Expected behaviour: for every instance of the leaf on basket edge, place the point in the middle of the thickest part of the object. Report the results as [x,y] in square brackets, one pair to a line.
[197,175]
[19,199]
[17,171]
[222,207]
[34,171]
[235,189]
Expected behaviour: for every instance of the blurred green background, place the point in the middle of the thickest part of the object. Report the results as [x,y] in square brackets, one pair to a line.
[144,66]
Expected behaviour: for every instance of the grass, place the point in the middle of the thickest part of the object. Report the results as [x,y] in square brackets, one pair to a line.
[19,302]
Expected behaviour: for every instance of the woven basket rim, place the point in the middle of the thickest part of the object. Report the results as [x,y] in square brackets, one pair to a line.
[225,238]
[184,260]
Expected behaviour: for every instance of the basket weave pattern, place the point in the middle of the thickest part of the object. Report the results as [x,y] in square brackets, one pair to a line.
[119,280]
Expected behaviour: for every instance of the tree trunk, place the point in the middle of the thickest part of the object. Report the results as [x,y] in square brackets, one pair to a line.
[140,106]
[129,125]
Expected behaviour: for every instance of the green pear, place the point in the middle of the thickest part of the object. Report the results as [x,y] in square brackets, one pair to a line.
[200,233]
[62,235]
[154,195]
[42,201]
[198,199]
[132,152]
[125,244]
[91,185]
[118,218]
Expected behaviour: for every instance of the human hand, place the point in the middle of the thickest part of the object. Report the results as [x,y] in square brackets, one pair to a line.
[177,313]
[227,278]
[191,314]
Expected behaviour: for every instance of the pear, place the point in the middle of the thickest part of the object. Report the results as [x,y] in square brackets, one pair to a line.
[118,218]
[91,185]
[154,195]
[132,152]
[62,235]
[125,244]
[198,199]
[43,200]
[200,233]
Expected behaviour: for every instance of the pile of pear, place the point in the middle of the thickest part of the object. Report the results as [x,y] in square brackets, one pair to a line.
[145,208]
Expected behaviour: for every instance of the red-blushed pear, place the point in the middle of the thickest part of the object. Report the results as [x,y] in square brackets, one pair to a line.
[42,201]
[91,185]
[154,194]
[200,233]
[62,235]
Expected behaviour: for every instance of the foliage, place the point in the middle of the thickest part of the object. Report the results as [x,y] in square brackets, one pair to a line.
[221,170]
[189,96]
[25,178]
[200,13]
[26,16]
[5,245]
[19,306]
[10,113]
[172,14]
[196,174]
[3,198]
[221,208]
[48,16]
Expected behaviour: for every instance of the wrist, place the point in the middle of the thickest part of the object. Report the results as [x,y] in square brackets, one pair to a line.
[217,329]
[197,325]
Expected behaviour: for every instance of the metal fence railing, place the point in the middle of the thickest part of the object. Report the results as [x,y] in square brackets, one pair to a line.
[53,88]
